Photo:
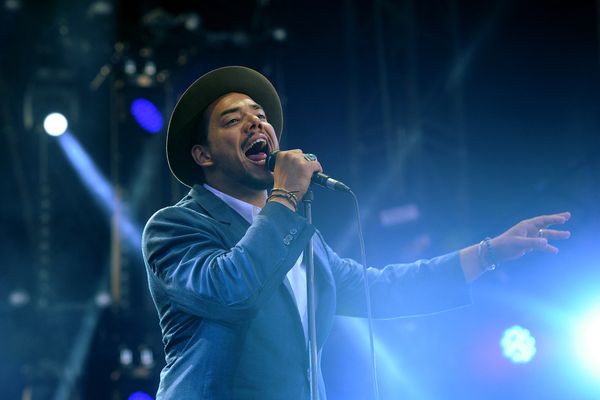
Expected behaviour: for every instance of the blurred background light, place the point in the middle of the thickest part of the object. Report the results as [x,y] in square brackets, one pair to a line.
[12,5]
[587,341]
[100,8]
[147,115]
[103,299]
[139,396]
[399,215]
[191,21]
[146,357]
[130,67]
[279,34]
[18,298]
[395,378]
[518,345]
[125,356]
[149,68]
[55,124]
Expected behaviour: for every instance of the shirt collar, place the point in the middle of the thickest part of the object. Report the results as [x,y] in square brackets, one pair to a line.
[246,210]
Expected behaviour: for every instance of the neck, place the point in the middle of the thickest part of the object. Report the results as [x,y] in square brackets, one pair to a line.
[255,197]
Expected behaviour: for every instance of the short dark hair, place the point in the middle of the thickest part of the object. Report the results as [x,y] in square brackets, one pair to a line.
[201,136]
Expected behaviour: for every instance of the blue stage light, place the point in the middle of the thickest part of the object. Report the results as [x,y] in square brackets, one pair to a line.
[99,186]
[147,115]
[139,396]
[394,375]
[587,341]
[518,345]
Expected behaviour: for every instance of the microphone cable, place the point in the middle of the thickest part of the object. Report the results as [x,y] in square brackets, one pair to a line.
[363,256]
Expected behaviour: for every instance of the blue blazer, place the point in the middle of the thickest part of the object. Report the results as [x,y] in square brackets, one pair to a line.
[229,321]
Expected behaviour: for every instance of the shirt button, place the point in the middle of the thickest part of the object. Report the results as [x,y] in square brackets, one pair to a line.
[293,231]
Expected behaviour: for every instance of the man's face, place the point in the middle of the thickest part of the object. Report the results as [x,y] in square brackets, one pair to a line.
[239,141]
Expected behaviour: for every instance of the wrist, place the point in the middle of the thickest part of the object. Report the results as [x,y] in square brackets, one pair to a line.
[487,254]
[285,197]
[284,203]
[470,263]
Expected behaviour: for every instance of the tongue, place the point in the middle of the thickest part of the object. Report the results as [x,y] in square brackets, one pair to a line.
[257,157]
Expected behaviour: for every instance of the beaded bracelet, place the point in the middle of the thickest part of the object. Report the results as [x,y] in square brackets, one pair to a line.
[487,257]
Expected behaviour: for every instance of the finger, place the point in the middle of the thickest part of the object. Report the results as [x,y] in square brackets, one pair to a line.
[527,243]
[310,157]
[549,249]
[554,234]
[318,167]
[544,221]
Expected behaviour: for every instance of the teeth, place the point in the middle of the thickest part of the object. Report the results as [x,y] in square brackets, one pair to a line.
[256,141]
[259,140]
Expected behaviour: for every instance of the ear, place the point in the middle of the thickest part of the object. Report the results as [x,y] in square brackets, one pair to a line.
[201,155]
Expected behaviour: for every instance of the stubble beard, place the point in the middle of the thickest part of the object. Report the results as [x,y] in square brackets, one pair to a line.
[256,183]
[236,174]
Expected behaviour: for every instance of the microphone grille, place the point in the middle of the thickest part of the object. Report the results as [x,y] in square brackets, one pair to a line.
[271,160]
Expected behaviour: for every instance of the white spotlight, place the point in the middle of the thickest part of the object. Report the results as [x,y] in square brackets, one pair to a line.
[588,341]
[55,124]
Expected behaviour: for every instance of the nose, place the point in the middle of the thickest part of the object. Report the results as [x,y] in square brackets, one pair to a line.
[253,123]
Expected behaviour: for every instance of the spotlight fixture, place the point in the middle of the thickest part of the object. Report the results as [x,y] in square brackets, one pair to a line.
[55,124]
[518,345]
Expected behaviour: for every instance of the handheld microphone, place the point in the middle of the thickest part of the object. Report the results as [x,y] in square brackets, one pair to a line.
[318,178]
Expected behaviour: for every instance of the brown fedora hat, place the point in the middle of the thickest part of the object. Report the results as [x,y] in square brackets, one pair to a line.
[202,93]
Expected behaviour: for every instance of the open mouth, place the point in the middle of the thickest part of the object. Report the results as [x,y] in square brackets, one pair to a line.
[258,151]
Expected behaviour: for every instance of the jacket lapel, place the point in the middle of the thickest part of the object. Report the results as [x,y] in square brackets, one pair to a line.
[221,212]
[236,225]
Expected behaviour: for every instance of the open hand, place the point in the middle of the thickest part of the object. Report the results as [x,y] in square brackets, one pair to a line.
[530,234]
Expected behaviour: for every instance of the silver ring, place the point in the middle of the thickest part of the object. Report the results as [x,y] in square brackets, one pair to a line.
[540,233]
[310,157]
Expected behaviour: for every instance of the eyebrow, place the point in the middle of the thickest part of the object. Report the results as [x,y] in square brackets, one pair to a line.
[254,106]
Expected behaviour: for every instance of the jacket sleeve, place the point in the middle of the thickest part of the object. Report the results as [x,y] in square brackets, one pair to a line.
[186,252]
[421,287]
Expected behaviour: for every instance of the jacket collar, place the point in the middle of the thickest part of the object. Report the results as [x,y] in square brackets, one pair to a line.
[219,210]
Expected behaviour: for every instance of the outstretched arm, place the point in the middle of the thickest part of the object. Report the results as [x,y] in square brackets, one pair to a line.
[528,235]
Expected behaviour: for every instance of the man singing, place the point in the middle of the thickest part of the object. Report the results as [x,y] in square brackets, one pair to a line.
[225,264]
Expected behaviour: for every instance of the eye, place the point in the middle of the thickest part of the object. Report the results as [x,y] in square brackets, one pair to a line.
[262,117]
[231,122]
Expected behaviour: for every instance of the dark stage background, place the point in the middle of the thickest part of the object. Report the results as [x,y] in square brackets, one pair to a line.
[450,119]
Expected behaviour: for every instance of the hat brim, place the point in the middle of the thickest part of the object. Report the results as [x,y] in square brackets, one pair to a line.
[202,93]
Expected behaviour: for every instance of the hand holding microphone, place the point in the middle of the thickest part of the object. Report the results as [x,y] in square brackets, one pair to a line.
[293,173]
[317,177]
